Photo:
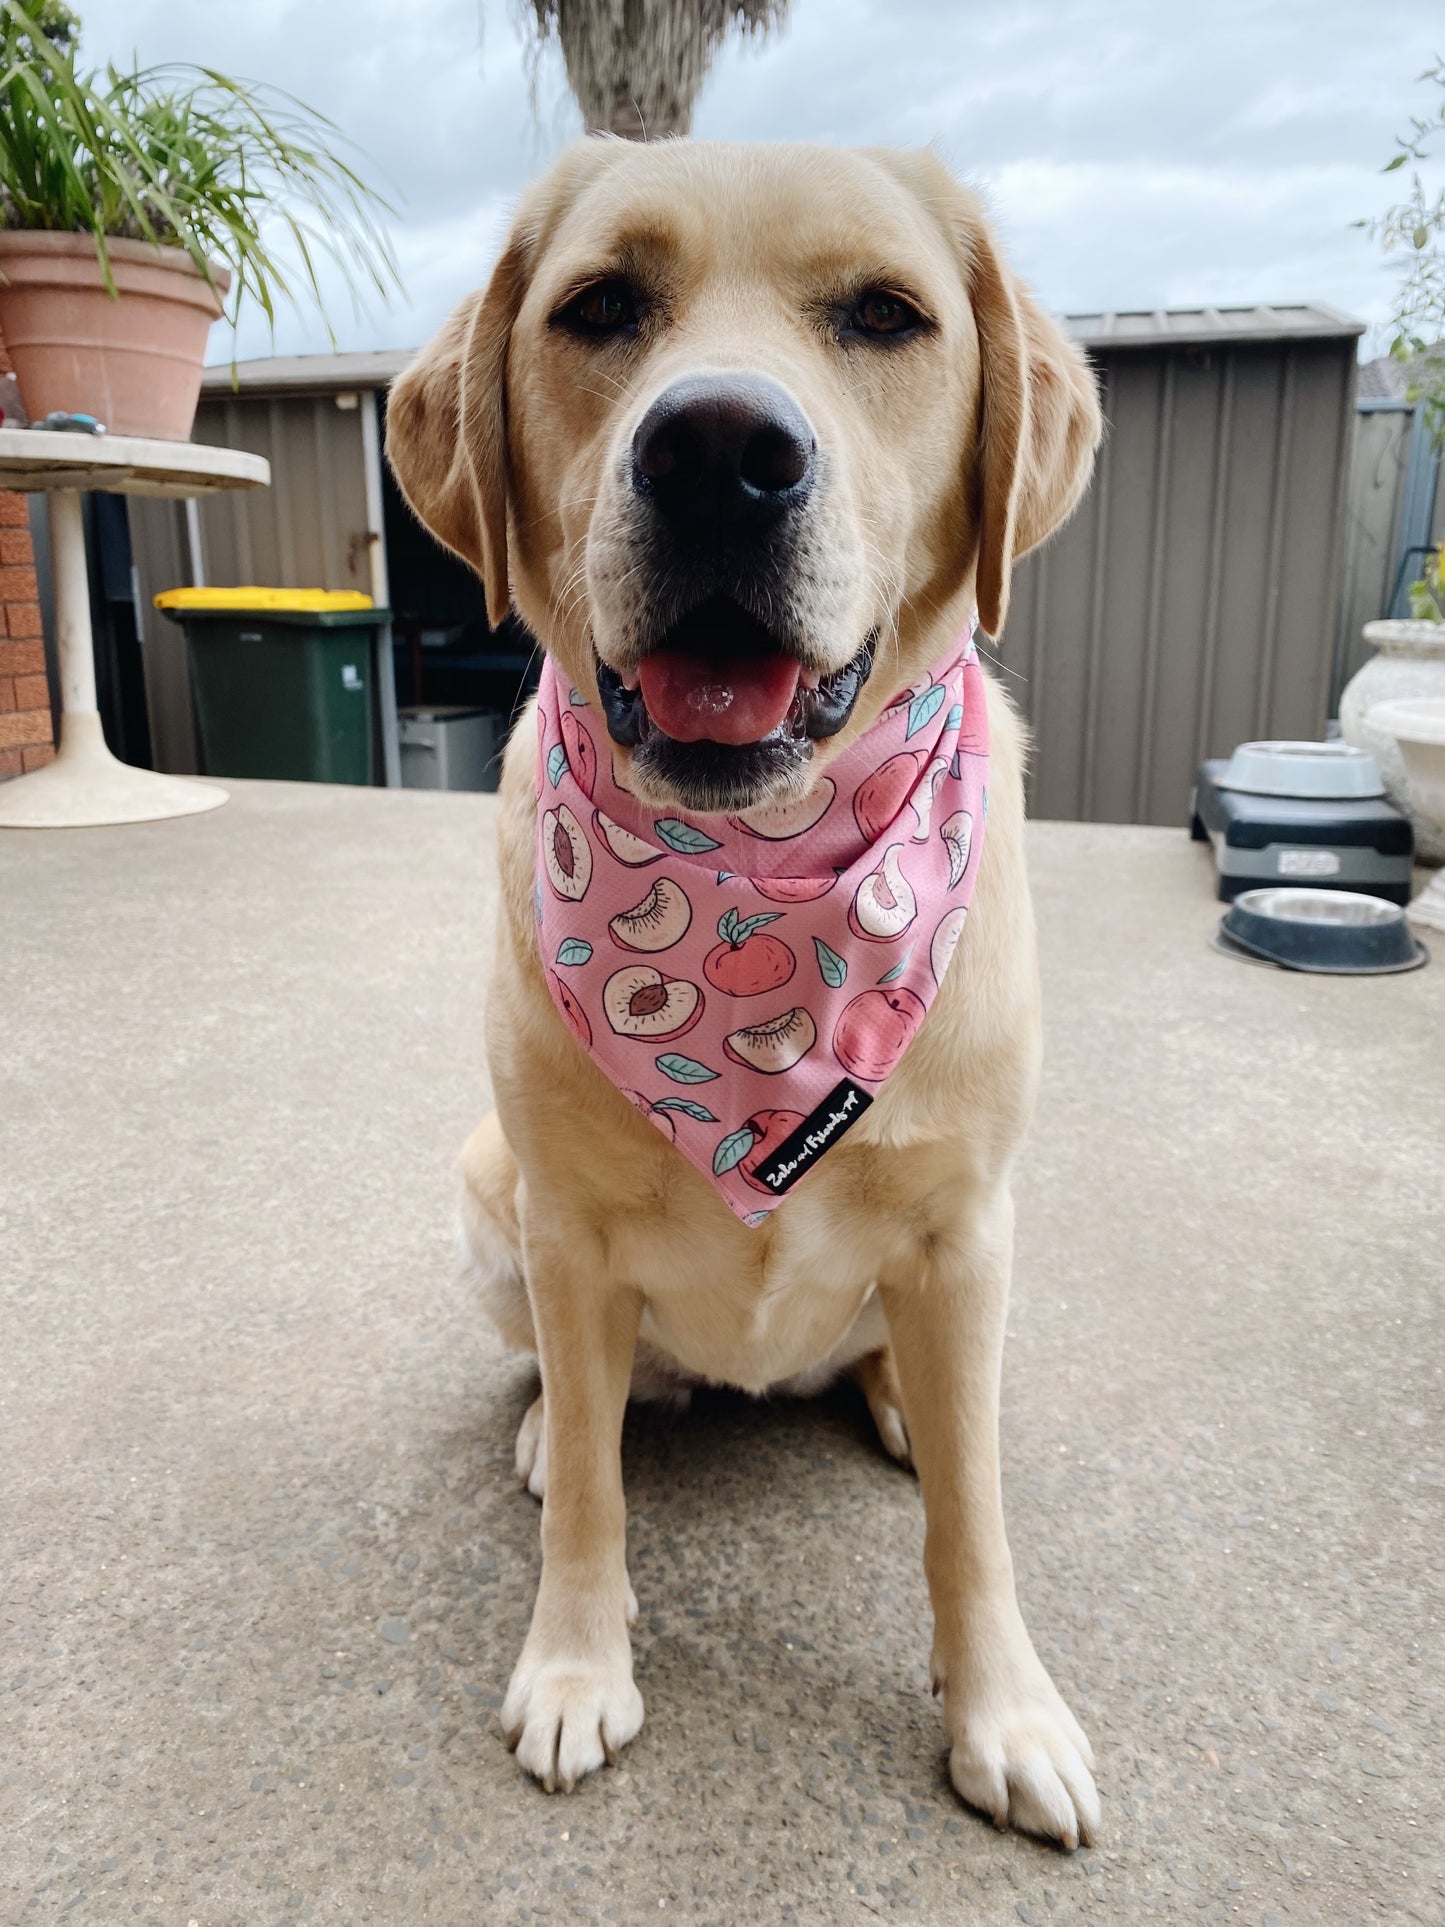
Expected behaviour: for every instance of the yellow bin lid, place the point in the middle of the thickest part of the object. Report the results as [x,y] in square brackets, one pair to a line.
[298,601]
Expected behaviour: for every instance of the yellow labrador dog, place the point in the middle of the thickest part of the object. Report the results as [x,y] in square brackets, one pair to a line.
[952,427]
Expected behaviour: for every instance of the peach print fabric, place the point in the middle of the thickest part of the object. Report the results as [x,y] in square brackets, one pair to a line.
[748,982]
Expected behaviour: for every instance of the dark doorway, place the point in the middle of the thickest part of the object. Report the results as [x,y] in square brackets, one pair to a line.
[446,652]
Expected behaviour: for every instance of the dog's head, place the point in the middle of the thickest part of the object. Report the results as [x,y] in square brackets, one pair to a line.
[736,427]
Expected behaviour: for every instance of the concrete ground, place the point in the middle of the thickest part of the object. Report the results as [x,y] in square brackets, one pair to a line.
[266,1568]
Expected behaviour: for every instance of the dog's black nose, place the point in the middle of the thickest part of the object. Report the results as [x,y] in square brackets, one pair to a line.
[724,454]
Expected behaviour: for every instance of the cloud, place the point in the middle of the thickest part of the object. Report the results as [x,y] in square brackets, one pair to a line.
[1137,155]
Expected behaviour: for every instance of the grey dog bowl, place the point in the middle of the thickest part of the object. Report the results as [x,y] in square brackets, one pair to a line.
[1339,932]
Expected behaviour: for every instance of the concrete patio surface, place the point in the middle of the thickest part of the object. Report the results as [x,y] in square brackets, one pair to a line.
[266,1568]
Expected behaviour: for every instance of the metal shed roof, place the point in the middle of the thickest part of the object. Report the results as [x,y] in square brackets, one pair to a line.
[270,374]
[1140,328]
[1210,327]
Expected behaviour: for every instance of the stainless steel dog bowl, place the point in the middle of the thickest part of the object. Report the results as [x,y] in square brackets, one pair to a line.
[1337,771]
[1339,932]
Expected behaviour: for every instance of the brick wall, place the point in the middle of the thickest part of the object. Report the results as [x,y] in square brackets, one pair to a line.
[25,735]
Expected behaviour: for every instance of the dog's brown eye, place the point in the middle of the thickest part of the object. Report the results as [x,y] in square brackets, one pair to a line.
[885,314]
[606,308]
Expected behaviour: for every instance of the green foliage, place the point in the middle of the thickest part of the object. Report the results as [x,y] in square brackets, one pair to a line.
[54,19]
[1415,227]
[1427,596]
[182,157]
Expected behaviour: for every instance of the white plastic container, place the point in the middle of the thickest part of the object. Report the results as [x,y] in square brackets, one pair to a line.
[448,747]
[1322,771]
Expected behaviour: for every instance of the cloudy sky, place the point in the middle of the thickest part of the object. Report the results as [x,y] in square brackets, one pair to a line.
[1138,153]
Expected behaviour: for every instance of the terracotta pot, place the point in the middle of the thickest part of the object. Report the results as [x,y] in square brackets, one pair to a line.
[132,362]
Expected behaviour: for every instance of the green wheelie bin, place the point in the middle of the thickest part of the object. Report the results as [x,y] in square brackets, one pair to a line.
[282,680]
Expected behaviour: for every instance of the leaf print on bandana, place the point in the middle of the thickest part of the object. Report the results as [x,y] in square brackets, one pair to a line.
[685,838]
[898,969]
[685,1070]
[556,763]
[573,951]
[831,966]
[698,1112]
[733,1149]
[923,709]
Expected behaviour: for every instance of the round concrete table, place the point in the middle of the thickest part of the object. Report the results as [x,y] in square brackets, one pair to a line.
[86,784]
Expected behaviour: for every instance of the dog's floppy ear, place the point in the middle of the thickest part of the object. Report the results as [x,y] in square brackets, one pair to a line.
[1039,422]
[446,428]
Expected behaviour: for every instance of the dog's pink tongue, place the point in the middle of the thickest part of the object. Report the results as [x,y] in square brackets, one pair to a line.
[695,699]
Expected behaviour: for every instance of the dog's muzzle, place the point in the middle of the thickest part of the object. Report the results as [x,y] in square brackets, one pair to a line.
[722,703]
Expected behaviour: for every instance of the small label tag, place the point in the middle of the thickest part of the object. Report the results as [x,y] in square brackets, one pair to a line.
[1309,863]
[350,676]
[839,1111]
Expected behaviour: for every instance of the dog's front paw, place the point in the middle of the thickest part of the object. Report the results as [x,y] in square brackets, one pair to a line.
[564,1716]
[1017,1752]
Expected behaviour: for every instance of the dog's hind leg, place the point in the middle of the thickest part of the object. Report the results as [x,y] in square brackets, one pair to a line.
[489,1236]
[876,1377]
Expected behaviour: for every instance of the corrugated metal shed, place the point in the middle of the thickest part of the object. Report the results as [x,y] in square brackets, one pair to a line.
[1191,602]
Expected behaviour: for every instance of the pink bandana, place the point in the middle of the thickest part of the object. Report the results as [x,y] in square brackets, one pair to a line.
[748,982]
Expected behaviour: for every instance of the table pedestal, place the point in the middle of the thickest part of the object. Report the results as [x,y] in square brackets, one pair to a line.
[86,784]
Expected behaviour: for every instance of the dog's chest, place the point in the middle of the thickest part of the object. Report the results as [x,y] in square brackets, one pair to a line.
[752,1319]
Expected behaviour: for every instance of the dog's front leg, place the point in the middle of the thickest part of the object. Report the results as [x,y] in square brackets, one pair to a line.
[572,1702]
[1016,1750]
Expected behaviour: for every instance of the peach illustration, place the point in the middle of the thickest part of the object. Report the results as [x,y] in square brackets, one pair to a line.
[748,961]
[875,1030]
[626,847]
[945,942]
[572,1011]
[566,854]
[774,1046]
[957,834]
[885,903]
[581,756]
[792,816]
[793,889]
[881,795]
[656,923]
[640,1002]
[925,795]
[769,1129]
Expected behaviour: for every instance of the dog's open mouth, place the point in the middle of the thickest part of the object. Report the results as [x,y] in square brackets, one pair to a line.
[720,680]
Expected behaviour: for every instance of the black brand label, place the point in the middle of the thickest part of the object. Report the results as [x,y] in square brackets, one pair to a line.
[819,1132]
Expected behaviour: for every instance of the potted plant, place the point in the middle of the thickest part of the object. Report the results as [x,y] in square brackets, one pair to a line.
[136,208]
